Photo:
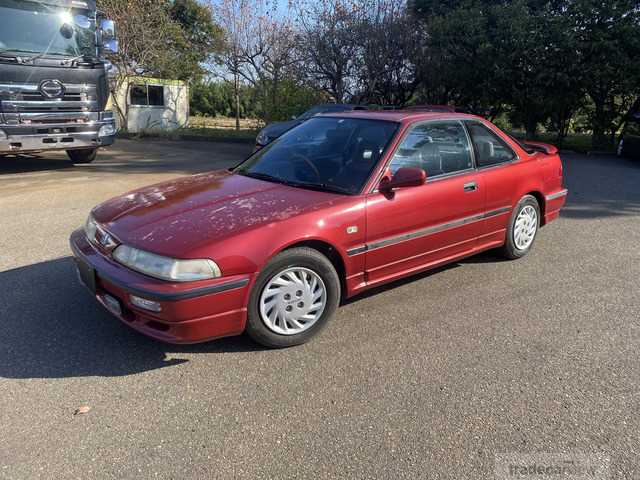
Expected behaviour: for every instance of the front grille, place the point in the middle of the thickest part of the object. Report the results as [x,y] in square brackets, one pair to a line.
[26,98]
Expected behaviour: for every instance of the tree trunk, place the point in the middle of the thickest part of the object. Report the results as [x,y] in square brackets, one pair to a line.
[531,127]
[236,95]
[599,138]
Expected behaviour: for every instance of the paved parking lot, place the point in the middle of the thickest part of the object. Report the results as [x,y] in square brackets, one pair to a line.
[427,378]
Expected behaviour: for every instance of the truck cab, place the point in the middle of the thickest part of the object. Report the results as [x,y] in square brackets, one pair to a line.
[53,81]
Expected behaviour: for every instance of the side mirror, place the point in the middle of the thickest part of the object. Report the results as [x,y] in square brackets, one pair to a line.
[404,177]
[293,117]
[108,36]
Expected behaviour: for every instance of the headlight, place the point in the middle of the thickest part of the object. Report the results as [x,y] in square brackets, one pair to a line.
[3,135]
[262,139]
[91,228]
[166,268]
[107,130]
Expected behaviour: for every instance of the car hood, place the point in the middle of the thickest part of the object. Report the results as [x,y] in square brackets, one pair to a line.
[177,217]
[274,130]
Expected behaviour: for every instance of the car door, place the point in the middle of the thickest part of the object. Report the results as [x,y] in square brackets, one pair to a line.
[498,172]
[414,228]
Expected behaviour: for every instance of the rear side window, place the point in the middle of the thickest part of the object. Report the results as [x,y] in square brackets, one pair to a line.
[439,148]
[490,149]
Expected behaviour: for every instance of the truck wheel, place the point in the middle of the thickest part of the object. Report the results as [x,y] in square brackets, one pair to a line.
[83,156]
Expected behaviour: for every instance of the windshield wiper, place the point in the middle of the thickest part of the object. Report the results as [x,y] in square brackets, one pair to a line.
[293,183]
[73,61]
[263,176]
[325,187]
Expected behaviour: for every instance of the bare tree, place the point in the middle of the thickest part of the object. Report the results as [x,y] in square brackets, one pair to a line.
[327,45]
[389,47]
[360,50]
[234,16]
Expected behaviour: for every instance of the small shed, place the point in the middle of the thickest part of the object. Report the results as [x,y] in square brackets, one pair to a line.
[153,104]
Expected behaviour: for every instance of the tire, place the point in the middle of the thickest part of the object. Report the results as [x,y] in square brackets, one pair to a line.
[280,289]
[83,156]
[515,247]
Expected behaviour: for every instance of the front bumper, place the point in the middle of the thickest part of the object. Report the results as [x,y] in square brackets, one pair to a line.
[61,141]
[191,312]
[34,132]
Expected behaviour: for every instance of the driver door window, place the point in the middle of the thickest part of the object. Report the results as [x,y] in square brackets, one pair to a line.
[439,148]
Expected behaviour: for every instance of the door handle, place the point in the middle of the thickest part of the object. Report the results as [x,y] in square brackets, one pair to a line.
[470,187]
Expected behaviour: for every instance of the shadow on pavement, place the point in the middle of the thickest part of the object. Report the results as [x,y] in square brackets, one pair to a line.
[51,328]
[601,186]
[137,156]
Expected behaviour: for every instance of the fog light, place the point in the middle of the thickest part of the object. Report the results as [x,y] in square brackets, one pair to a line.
[107,130]
[145,304]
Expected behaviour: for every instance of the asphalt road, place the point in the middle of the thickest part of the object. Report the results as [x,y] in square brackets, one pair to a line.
[428,378]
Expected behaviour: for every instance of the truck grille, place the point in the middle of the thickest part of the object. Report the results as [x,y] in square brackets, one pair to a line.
[26,98]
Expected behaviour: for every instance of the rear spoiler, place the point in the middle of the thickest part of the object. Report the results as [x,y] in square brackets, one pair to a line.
[541,147]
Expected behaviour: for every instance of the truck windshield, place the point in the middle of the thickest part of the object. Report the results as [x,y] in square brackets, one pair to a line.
[35,27]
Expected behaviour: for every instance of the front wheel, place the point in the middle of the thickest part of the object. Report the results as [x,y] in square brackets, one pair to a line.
[523,228]
[294,297]
[83,156]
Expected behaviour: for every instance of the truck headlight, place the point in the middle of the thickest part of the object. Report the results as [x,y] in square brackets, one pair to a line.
[166,268]
[107,130]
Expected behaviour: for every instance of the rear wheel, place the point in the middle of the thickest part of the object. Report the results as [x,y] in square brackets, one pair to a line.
[294,297]
[523,228]
[82,156]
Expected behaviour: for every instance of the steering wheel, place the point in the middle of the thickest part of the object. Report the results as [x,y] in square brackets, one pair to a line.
[299,157]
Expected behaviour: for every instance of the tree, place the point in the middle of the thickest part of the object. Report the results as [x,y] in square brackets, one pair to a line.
[327,46]
[159,38]
[608,46]
[389,48]
[200,38]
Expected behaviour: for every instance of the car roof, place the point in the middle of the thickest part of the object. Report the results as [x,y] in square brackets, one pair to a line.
[401,116]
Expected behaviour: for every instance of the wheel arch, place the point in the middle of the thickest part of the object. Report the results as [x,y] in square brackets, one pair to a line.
[541,202]
[329,251]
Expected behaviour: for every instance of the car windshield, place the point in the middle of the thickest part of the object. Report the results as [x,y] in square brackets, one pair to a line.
[34,27]
[325,153]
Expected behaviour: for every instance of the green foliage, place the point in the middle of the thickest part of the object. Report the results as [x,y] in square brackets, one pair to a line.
[198,39]
[162,38]
[541,61]
[213,99]
[216,99]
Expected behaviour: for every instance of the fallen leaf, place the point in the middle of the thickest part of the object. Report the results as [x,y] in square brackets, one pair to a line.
[82,410]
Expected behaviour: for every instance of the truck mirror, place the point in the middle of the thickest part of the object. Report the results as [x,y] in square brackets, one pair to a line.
[108,36]
[107,29]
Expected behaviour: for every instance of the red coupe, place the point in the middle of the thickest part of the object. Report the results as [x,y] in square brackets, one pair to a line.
[340,204]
